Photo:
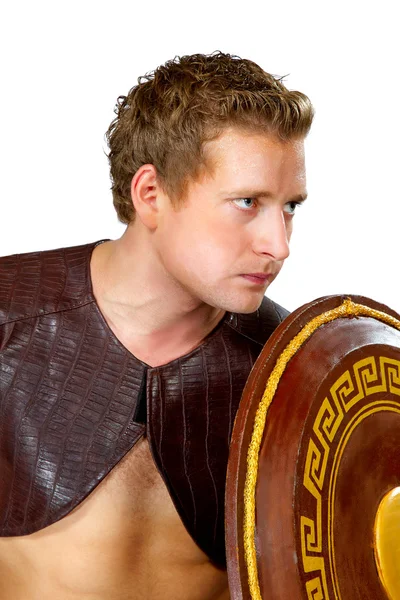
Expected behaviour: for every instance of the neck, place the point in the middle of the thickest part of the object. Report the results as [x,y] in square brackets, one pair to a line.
[142,303]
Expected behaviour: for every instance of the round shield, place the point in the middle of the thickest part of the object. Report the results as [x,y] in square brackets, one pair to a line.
[313,486]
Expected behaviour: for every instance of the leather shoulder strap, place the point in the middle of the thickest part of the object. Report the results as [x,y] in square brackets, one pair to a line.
[259,325]
[39,283]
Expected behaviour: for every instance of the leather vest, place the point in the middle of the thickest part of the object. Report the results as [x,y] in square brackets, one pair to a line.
[70,399]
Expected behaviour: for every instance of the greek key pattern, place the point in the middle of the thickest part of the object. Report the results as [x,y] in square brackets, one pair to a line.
[366,377]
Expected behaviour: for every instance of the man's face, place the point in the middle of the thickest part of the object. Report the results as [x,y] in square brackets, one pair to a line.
[229,239]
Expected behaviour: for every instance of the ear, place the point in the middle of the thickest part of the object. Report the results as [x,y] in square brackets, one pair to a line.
[147,195]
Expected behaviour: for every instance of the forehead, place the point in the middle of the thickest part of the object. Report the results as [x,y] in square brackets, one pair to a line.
[245,156]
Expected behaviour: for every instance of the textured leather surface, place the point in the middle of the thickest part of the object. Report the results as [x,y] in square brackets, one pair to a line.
[69,397]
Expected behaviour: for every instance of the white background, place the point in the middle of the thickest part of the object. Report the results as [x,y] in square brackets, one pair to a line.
[63,65]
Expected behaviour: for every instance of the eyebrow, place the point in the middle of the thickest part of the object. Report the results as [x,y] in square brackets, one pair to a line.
[264,194]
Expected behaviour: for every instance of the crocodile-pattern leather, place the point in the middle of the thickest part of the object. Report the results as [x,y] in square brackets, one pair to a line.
[69,399]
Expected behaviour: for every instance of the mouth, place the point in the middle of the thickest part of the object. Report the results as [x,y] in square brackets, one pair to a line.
[258,278]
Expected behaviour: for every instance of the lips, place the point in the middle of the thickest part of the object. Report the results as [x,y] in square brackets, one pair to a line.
[259,275]
[260,278]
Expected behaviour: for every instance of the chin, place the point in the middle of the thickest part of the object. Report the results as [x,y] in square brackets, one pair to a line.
[242,305]
[247,310]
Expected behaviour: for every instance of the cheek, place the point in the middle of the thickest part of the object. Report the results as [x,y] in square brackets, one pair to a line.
[208,257]
[210,236]
[211,256]
[208,246]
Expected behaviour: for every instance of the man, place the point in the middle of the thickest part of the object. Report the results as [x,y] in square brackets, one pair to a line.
[123,362]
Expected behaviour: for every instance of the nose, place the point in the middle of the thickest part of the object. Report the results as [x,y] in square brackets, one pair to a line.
[273,235]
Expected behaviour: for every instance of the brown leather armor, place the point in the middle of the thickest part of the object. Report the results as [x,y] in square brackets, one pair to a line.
[70,399]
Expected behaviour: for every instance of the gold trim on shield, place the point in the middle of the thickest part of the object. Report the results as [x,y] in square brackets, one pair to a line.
[346,309]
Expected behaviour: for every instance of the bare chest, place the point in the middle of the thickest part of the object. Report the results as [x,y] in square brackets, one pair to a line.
[124,542]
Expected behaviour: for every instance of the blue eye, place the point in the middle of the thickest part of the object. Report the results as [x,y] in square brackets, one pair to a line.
[248,203]
[290,207]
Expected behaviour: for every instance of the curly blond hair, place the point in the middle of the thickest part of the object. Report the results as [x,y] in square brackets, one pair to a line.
[168,117]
